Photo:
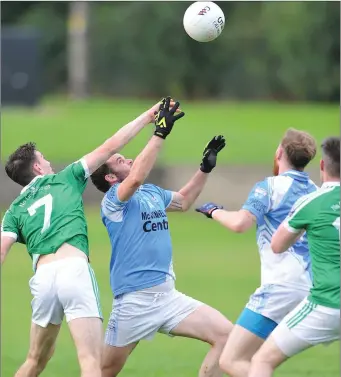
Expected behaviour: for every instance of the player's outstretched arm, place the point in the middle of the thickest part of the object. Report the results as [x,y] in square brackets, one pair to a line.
[184,199]
[143,164]
[236,221]
[115,143]
[257,205]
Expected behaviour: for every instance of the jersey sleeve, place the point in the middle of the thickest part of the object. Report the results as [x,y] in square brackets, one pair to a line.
[9,226]
[166,195]
[258,201]
[298,217]
[76,174]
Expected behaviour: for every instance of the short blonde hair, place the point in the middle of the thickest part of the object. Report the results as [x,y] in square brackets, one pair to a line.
[300,148]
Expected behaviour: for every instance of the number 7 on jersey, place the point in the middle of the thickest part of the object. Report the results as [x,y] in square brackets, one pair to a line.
[45,201]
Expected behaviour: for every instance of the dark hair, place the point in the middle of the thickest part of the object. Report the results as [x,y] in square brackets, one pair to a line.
[331,156]
[98,178]
[300,148]
[20,163]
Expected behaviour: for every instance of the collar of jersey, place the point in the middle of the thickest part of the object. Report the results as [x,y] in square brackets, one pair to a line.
[330,184]
[295,172]
[33,180]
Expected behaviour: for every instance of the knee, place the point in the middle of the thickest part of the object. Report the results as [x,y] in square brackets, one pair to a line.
[228,360]
[226,364]
[90,366]
[258,358]
[220,337]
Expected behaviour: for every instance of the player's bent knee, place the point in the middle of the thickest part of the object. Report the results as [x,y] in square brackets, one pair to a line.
[90,366]
[226,364]
[221,339]
[220,334]
[257,358]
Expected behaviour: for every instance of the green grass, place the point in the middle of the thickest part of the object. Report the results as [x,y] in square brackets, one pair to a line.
[66,130]
[213,265]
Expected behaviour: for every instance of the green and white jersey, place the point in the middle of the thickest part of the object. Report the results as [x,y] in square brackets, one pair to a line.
[49,212]
[319,214]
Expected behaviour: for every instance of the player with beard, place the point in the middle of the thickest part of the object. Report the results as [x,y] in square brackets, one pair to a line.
[285,278]
[142,278]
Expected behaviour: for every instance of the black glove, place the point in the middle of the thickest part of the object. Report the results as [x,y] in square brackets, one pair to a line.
[210,153]
[165,118]
[208,208]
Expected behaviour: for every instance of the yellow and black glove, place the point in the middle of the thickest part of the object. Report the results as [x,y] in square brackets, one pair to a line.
[165,118]
[210,153]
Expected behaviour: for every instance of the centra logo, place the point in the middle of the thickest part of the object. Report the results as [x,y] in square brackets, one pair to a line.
[150,226]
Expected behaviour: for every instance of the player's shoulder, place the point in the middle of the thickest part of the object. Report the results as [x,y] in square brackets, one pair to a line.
[272,184]
[15,208]
[279,182]
[38,183]
[272,181]
[77,169]
[283,183]
[150,186]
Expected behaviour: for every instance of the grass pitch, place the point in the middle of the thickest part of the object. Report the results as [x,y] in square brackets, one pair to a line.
[66,130]
[212,264]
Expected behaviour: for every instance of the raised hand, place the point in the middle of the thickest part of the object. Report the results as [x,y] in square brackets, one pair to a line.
[210,153]
[165,117]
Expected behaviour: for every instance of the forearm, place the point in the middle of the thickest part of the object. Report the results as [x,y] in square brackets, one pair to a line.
[237,221]
[126,133]
[146,160]
[193,189]
[116,142]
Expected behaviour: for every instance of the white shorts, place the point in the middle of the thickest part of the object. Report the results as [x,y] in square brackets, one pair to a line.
[140,315]
[307,325]
[67,286]
[275,301]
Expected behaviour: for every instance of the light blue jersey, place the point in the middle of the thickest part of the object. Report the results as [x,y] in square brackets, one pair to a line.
[141,248]
[270,201]
[285,278]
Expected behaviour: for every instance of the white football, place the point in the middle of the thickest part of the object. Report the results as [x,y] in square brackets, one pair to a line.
[204,21]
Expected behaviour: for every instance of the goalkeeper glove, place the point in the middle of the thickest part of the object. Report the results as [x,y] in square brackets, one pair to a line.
[210,153]
[165,118]
[208,208]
